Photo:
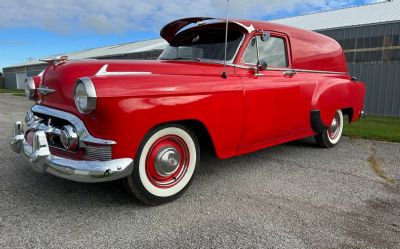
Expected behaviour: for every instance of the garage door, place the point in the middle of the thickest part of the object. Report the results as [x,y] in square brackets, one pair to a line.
[21,80]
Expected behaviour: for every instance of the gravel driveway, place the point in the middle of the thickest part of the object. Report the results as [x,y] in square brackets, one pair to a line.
[290,196]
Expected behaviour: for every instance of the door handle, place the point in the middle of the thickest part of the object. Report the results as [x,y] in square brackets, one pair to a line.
[289,73]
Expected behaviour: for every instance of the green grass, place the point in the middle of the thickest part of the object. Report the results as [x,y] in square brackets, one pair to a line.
[19,91]
[19,94]
[375,128]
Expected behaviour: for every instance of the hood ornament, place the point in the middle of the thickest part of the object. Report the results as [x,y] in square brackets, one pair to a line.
[55,60]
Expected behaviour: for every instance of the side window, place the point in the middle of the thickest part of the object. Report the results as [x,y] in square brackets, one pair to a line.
[272,51]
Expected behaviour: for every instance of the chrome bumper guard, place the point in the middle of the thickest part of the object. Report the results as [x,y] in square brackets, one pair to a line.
[42,161]
[363,114]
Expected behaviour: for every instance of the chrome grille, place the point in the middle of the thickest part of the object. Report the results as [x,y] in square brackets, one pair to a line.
[98,153]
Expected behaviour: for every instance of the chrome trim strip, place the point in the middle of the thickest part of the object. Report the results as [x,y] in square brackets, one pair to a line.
[103,72]
[317,71]
[74,120]
[286,69]
[45,90]
[254,68]
[240,66]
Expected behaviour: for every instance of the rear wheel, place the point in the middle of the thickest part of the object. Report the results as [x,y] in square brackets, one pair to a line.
[332,135]
[165,164]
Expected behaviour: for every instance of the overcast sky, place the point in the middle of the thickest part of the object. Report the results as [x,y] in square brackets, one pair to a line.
[34,29]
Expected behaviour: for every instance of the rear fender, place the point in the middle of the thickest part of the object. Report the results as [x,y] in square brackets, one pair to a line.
[333,94]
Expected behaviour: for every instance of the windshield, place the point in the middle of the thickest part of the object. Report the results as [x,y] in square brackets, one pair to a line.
[208,44]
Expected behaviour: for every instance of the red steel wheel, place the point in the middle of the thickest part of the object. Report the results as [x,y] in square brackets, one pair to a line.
[167,161]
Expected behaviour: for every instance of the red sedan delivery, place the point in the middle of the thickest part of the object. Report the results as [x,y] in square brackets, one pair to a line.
[241,89]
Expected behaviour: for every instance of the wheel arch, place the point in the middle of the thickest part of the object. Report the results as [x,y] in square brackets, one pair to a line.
[198,128]
[318,125]
[330,95]
[349,112]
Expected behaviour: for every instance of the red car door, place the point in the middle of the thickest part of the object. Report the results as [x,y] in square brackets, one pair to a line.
[272,98]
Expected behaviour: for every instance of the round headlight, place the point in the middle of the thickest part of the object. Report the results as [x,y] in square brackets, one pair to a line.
[85,95]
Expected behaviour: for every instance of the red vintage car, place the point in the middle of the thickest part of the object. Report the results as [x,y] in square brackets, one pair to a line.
[256,85]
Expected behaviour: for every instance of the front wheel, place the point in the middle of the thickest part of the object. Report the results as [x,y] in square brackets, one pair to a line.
[332,135]
[164,165]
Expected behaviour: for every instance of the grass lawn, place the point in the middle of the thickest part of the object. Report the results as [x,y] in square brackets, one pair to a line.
[16,91]
[19,94]
[375,128]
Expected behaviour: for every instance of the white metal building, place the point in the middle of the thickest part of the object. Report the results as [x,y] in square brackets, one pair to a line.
[15,75]
[370,37]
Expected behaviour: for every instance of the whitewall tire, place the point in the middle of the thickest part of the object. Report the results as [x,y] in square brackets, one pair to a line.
[332,135]
[164,165]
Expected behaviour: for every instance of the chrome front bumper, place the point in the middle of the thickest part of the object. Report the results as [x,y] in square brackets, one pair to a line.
[42,161]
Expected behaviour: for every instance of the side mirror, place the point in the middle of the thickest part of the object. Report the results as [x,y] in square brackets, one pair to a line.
[265,36]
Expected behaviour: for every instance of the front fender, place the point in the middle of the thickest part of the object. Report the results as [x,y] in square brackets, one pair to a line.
[129,110]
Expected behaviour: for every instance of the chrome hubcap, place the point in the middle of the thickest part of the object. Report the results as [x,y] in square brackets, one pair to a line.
[334,130]
[167,161]
[334,124]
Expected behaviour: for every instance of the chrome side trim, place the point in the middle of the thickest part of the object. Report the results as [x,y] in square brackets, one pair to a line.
[74,120]
[289,73]
[286,69]
[240,66]
[317,71]
[45,90]
[103,72]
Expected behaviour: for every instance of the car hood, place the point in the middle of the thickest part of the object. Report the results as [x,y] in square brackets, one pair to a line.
[60,79]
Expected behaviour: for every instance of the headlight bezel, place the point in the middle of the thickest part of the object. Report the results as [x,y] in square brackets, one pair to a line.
[85,96]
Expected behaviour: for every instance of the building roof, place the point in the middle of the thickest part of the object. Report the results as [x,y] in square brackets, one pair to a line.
[381,12]
[114,50]
[388,11]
